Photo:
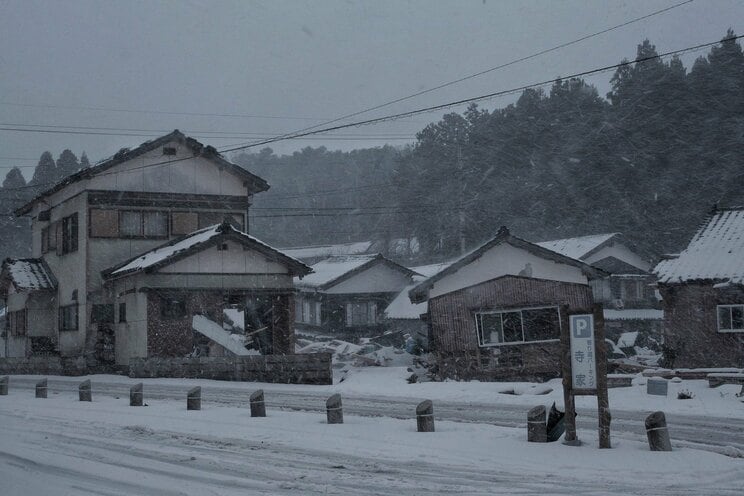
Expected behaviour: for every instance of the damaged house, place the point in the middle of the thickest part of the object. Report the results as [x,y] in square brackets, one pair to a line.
[147,254]
[703,295]
[495,312]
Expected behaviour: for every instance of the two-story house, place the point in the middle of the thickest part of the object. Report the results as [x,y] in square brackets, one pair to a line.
[127,252]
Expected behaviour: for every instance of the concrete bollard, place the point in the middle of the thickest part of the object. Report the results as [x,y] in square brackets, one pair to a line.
[334,412]
[41,388]
[4,385]
[657,387]
[84,391]
[136,395]
[258,407]
[537,430]
[657,432]
[425,416]
[193,399]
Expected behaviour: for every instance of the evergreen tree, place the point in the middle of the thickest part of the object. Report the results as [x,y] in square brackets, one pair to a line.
[45,172]
[84,163]
[67,164]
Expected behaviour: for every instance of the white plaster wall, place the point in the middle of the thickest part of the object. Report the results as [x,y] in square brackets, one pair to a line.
[131,336]
[234,260]
[621,252]
[70,271]
[379,278]
[193,175]
[505,259]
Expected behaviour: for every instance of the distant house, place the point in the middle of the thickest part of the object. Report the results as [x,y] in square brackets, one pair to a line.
[628,293]
[703,295]
[316,253]
[128,251]
[406,317]
[494,313]
[346,295]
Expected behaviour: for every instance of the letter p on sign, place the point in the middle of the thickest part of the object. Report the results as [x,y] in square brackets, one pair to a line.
[582,326]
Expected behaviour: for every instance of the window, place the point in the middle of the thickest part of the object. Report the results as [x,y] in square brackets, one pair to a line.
[122,312]
[147,223]
[68,318]
[518,326]
[172,308]
[631,289]
[18,322]
[730,318]
[361,313]
[130,224]
[184,222]
[169,150]
[70,233]
[307,311]
[45,240]
[155,224]
[104,223]
[103,314]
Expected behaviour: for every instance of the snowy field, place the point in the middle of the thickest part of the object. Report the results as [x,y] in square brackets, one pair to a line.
[64,447]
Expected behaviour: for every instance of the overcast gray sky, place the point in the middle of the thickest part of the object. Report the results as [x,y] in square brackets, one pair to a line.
[277,66]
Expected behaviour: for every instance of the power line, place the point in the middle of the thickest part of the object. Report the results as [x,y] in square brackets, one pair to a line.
[481,97]
[486,71]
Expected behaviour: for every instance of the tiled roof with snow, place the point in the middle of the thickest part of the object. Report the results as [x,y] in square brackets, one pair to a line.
[357,248]
[716,252]
[332,268]
[426,271]
[29,274]
[577,247]
[192,242]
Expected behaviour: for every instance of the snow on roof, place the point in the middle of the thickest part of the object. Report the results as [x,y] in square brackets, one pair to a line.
[716,252]
[633,314]
[402,308]
[427,271]
[332,268]
[157,255]
[577,247]
[216,333]
[356,248]
[191,241]
[29,274]
[627,339]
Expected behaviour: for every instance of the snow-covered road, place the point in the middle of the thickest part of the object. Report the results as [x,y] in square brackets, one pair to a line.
[61,446]
[713,433]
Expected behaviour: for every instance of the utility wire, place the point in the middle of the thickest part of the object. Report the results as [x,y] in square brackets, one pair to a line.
[430,109]
[489,70]
[481,97]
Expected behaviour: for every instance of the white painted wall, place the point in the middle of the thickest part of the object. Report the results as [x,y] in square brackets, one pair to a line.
[621,252]
[131,336]
[194,175]
[234,260]
[501,260]
[379,278]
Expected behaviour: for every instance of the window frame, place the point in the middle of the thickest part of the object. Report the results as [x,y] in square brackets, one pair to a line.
[372,316]
[70,228]
[73,307]
[477,318]
[731,318]
[16,317]
[122,312]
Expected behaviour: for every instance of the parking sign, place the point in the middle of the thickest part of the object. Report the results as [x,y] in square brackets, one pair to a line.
[583,359]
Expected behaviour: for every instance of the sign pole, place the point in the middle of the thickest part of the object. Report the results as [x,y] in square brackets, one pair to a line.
[568,399]
[603,400]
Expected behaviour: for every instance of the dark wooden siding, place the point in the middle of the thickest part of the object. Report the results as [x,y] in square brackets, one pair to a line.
[454,337]
[691,336]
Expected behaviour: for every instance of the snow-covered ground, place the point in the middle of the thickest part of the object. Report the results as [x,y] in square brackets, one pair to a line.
[162,449]
[61,446]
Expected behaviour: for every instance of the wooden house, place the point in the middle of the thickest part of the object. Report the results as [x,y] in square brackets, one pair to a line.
[494,313]
[703,295]
[346,295]
[628,293]
[128,251]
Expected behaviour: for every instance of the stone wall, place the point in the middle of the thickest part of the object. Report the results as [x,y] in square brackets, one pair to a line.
[42,366]
[312,368]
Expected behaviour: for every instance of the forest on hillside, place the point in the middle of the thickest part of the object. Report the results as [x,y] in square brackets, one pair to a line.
[648,159]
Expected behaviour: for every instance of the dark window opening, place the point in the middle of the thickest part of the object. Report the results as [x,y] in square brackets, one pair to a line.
[103,314]
[68,318]
[122,312]
[70,233]
[169,150]
[172,308]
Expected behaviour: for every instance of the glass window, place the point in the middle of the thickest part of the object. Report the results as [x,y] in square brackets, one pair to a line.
[70,233]
[122,312]
[155,224]
[184,222]
[130,223]
[731,318]
[68,318]
[518,326]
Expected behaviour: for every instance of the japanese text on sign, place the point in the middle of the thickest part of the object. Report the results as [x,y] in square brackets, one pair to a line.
[583,361]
